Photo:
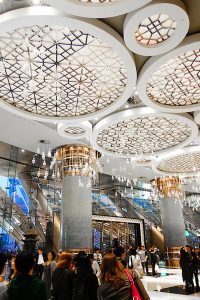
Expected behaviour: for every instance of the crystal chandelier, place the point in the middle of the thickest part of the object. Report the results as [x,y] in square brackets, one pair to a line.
[68,160]
[168,187]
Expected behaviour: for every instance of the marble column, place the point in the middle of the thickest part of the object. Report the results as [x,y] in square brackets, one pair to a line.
[172,222]
[76,214]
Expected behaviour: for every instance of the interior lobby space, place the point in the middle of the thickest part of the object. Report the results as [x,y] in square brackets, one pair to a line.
[100,140]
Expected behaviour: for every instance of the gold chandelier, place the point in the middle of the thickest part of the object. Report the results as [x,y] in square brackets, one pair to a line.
[78,160]
[68,160]
[167,187]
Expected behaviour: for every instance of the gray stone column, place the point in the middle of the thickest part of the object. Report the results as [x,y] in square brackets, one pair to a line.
[173,223]
[76,214]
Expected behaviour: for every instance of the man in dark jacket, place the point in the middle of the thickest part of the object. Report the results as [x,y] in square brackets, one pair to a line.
[25,286]
[154,260]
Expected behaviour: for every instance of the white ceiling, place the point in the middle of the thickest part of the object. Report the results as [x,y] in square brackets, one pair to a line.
[26,133]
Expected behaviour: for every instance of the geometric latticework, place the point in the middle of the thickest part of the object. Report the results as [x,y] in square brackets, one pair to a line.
[74,130]
[184,163]
[57,72]
[177,82]
[144,135]
[155,29]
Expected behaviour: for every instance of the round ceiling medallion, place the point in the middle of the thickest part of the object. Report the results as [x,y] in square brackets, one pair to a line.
[75,130]
[156,28]
[171,82]
[97,8]
[56,67]
[183,162]
[142,132]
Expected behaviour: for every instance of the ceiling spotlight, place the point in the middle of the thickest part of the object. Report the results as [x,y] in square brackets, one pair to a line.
[22,149]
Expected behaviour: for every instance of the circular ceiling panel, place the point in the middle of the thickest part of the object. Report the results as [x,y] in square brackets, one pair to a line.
[56,67]
[156,28]
[142,132]
[171,82]
[97,8]
[75,130]
[184,162]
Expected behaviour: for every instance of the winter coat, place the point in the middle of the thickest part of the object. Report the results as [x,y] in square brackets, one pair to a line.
[186,266]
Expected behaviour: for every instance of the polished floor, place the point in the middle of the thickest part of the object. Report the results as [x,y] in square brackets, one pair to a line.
[168,286]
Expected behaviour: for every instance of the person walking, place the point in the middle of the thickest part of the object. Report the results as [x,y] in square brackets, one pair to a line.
[142,254]
[135,263]
[187,272]
[48,270]
[62,278]
[195,267]
[115,284]
[154,260]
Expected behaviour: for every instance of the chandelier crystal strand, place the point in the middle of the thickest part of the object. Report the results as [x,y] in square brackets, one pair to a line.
[167,187]
[78,160]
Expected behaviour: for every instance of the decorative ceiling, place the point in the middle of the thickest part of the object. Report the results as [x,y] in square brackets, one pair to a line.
[42,66]
[97,8]
[74,72]
[156,28]
[172,82]
[143,132]
[185,162]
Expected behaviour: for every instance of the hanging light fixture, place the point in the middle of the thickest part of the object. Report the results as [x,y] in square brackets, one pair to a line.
[167,187]
[69,160]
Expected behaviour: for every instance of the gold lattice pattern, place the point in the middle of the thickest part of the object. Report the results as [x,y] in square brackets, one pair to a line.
[55,71]
[177,82]
[143,135]
[155,29]
[184,163]
[74,130]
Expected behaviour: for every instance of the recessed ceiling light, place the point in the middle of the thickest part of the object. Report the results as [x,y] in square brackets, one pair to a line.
[22,149]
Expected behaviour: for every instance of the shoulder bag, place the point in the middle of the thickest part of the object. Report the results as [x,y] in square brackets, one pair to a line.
[135,293]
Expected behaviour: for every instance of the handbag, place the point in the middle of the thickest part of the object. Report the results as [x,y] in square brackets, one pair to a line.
[135,292]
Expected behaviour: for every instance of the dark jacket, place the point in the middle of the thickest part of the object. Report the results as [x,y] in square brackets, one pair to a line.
[108,291]
[186,266]
[85,287]
[25,287]
[62,284]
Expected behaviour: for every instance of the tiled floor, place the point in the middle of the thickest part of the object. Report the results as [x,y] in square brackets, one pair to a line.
[168,287]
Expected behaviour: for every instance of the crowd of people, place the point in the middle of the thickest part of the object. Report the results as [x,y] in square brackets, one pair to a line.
[87,276]
[70,277]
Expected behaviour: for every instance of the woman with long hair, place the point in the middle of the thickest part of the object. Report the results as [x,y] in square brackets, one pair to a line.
[49,267]
[62,279]
[85,281]
[115,284]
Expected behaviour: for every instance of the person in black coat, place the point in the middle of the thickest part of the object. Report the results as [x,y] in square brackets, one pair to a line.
[154,261]
[85,281]
[63,278]
[195,267]
[187,271]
